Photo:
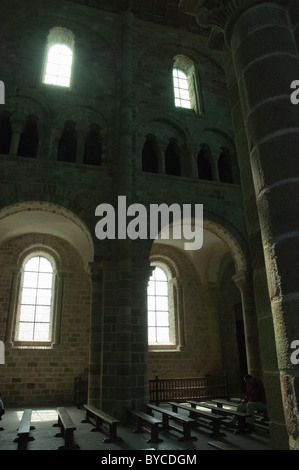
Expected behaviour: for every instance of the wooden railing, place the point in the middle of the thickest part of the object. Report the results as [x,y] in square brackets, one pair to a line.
[198,388]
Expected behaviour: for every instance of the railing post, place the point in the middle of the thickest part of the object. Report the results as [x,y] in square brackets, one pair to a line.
[156,390]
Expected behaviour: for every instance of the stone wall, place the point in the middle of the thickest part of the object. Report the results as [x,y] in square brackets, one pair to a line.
[122,82]
[41,375]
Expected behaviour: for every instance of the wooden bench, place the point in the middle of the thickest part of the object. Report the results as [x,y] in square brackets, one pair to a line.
[220,403]
[153,422]
[103,422]
[260,417]
[24,430]
[167,415]
[241,417]
[221,445]
[203,418]
[67,428]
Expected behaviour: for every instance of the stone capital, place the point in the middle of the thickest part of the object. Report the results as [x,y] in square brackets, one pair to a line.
[220,13]
[243,280]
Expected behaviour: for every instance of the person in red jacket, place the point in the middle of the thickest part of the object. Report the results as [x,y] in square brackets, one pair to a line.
[254,400]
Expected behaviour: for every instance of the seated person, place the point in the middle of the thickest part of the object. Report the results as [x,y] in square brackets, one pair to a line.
[254,400]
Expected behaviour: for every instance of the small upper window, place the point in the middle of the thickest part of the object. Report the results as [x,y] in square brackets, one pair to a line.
[186,84]
[59,58]
[181,89]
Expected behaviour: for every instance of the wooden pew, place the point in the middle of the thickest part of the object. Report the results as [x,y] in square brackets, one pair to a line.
[220,402]
[241,417]
[24,430]
[103,422]
[67,428]
[185,421]
[153,422]
[260,417]
[221,445]
[203,418]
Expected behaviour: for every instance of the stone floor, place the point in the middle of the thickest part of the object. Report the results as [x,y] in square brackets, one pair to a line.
[44,437]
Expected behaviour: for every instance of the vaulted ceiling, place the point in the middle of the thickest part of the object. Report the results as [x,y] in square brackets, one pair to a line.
[158,11]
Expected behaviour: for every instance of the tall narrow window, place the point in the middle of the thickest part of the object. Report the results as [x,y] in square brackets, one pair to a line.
[158,313]
[186,84]
[59,58]
[36,300]
[181,89]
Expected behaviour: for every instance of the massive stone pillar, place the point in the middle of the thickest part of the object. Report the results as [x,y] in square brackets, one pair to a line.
[244,283]
[265,58]
[96,344]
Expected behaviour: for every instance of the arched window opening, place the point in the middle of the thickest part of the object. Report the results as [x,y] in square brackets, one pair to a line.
[150,154]
[181,89]
[28,143]
[186,84]
[59,57]
[158,312]
[36,300]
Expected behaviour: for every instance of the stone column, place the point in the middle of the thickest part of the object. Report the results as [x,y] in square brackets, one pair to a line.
[96,343]
[81,136]
[140,350]
[266,62]
[17,128]
[124,162]
[161,157]
[214,166]
[244,283]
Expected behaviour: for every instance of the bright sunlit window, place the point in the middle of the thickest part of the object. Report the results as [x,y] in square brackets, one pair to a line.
[158,313]
[59,66]
[59,58]
[181,89]
[36,297]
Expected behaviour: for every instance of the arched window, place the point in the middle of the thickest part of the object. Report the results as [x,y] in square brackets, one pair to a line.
[59,58]
[185,84]
[181,89]
[158,312]
[36,300]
